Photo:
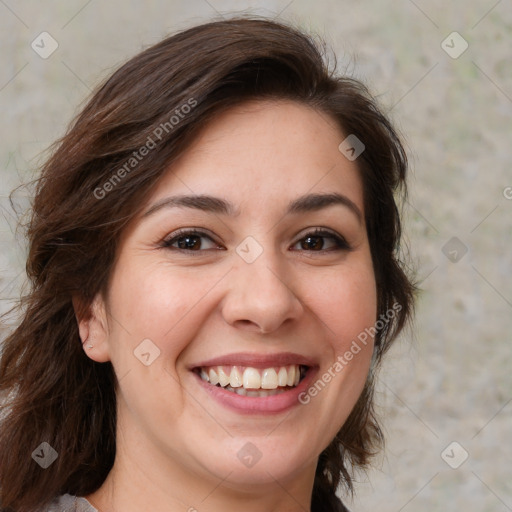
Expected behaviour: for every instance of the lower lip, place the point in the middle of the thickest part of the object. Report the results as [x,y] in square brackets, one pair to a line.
[259,405]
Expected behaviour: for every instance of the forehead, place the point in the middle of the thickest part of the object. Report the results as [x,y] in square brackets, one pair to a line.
[265,151]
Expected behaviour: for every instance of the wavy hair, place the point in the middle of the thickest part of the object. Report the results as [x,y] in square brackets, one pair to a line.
[53,391]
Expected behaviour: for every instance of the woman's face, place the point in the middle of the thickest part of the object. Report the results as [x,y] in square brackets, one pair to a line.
[239,271]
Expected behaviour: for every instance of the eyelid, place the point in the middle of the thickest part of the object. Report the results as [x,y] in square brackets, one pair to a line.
[317,230]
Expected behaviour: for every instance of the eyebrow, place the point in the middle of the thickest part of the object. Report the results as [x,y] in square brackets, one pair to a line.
[304,204]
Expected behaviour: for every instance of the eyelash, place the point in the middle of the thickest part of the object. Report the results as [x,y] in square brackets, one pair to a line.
[340,242]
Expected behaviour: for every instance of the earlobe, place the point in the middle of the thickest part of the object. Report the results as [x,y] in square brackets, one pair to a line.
[93,328]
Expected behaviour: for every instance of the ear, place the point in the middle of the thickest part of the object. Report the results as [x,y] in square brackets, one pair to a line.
[93,328]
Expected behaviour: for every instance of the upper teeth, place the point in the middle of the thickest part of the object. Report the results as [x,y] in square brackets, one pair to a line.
[252,378]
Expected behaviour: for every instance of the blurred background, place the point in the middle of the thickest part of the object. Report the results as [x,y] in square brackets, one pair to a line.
[443,73]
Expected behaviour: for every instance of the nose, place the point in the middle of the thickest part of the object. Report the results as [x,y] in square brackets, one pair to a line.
[260,297]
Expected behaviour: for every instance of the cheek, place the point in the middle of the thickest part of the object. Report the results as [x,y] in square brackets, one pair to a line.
[347,310]
[154,302]
[164,305]
[347,304]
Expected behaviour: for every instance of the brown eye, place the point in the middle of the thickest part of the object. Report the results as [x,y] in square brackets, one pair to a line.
[194,241]
[190,242]
[312,243]
[317,241]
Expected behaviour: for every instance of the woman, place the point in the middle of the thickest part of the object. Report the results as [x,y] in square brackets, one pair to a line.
[215,279]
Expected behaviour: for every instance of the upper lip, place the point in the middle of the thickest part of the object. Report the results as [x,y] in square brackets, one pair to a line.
[257,360]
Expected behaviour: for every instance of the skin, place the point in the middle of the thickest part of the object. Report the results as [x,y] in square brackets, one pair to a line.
[176,447]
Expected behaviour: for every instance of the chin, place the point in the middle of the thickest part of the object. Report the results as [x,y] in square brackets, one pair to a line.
[248,463]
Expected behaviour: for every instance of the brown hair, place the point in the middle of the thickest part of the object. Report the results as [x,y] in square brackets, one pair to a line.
[55,392]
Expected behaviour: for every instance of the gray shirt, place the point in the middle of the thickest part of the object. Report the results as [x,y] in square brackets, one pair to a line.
[68,503]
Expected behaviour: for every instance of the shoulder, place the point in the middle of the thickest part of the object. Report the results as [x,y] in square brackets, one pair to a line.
[68,503]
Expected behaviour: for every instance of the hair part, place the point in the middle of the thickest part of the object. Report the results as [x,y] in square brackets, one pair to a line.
[56,393]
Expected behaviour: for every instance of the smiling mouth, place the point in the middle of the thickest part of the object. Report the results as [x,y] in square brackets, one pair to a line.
[253,382]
